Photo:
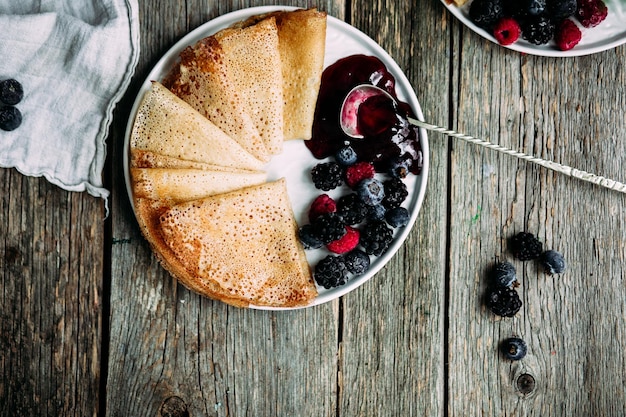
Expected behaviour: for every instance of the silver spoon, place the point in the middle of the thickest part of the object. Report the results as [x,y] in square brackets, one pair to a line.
[359,94]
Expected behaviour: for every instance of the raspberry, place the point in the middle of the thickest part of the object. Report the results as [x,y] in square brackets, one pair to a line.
[525,246]
[513,348]
[506,31]
[352,209]
[503,275]
[348,242]
[328,227]
[308,237]
[538,30]
[11,92]
[591,13]
[358,172]
[503,302]
[553,262]
[327,175]
[567,35]
[322,204]
[395,192]
[10,118]
[371,191]
[357,262]
[331,272]
[485,13]
[376,237]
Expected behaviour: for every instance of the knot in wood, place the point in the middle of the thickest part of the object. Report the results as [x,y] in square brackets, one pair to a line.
[173,407]
[526,383]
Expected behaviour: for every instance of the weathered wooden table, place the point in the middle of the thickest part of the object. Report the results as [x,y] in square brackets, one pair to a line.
[92,325]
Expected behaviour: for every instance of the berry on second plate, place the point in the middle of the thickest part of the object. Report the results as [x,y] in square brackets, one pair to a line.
[11,92]
[346,243]
[525,246]
[10,118]
[503,275]
[513,348]
[331,272]
[357,262]
[503,302]
[371,191]
[376,237]
[553,262]
[327,175]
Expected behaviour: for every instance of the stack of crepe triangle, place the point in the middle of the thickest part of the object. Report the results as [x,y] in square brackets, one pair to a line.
[198,148]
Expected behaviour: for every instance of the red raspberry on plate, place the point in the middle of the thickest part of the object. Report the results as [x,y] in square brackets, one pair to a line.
[591,13]
[323,203]
[345,244]
[506,31]
[358,172]
[567,35]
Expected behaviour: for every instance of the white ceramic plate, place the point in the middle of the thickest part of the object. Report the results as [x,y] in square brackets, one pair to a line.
[296,161]
[608,34]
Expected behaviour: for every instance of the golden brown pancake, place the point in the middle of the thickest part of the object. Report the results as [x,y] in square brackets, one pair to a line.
[168,126]
[244,242]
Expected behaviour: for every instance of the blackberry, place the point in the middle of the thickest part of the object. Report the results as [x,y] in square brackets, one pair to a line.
[561,9]
[525,246]
[331,272]
[308,237]
[397,217]
[395,192]
[538,30]
[553,262]
[503,302]
[485,13]
[352,209]
[513,348]
[327,175]
[11,92]
[346,156]
[357,262]
[328,227]
[10,118]
[503,275]
[371,191]
[376,237]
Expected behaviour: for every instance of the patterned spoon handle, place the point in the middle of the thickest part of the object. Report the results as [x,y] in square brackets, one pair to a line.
[563,169]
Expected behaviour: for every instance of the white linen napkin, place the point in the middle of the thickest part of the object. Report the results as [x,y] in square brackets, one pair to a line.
[74,60]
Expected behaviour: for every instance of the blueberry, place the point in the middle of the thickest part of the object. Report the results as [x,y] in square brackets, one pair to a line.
[308,238]
[10,118]
[371,191]
[376,212]
[11,92]
[553,262]
[513,348]
[357,262]
[503,274]
[399,167]
[346,156]
[397,217]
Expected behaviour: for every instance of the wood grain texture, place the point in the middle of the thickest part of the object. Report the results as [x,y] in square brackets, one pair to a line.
[51,284]
[549,108]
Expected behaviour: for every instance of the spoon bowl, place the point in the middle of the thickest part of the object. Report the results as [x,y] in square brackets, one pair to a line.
[350,124]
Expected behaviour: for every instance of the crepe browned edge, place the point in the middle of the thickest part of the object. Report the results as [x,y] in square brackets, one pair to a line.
[148,213]
[302,44]
[202,79]
[287,282]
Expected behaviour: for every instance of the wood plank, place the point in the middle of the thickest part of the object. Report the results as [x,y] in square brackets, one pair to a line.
[392,342]
[51,284]
[561,109]
[171,349]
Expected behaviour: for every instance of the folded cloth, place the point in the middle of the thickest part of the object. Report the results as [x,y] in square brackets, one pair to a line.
[74,60]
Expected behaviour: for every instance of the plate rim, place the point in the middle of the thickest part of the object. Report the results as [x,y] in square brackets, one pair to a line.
[211,26]
[526,47]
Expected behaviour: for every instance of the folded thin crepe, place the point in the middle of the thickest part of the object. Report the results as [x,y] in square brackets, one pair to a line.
[75,61]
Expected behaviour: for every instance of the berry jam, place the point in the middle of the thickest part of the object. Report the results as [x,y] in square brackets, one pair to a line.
[388,136]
